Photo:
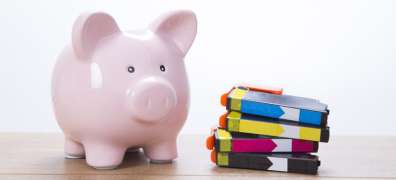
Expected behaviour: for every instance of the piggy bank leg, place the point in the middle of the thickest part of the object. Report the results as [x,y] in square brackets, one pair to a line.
[73,149]
[104,156]
[161,152]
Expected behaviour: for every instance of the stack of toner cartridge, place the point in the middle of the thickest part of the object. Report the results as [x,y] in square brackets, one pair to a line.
[266,130]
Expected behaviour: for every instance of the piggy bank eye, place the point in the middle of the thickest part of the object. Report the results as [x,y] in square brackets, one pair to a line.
[131,69]
[162,68]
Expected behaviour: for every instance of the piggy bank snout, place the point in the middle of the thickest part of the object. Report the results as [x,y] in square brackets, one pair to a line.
[151,99]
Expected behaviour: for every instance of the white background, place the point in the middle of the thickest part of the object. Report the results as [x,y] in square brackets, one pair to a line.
[341,52]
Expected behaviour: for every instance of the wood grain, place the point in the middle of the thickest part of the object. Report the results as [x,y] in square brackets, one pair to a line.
[40,156]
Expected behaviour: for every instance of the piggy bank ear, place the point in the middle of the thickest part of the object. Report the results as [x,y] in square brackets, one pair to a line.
[180,27]
[89,29]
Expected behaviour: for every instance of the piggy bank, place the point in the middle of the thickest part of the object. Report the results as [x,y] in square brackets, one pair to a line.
[116,90]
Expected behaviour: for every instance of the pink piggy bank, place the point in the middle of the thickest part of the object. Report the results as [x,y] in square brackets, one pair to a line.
[115,90]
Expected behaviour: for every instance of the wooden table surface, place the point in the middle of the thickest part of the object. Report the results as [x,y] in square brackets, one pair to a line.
[40,156]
